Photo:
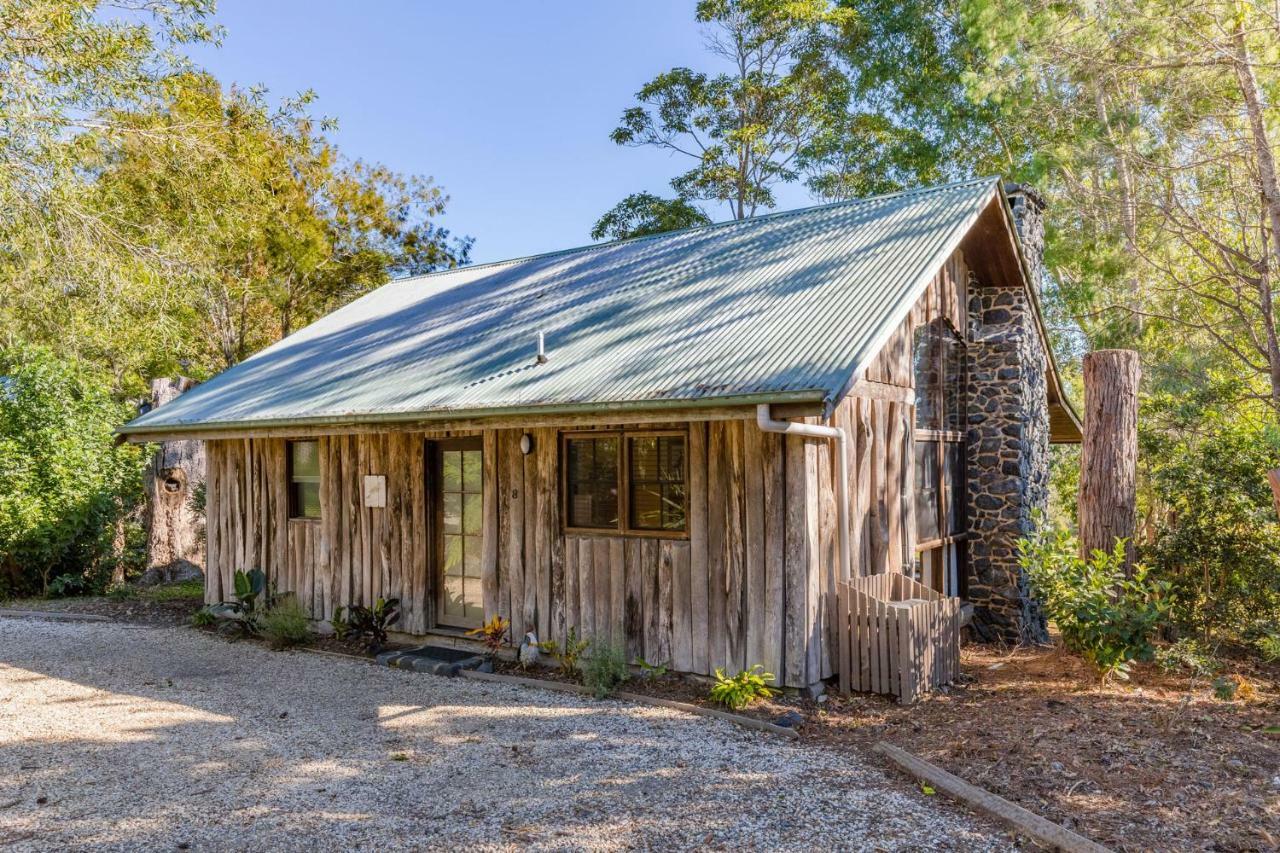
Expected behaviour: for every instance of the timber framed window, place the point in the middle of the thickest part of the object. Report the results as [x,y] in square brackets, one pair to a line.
[626,483]
[304,479]
[940,497]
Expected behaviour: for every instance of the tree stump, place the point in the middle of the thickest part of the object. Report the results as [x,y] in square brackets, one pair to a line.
[175,528]
[1109,456]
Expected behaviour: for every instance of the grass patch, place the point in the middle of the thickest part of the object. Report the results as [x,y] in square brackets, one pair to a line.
[180,591]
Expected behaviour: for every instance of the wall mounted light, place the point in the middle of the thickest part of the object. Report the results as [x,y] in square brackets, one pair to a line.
[526,444]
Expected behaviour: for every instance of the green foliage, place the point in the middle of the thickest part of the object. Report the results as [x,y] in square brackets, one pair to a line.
[67,586]
[606,669]
[651,671]
[641,214]
[742,689]
[244,612]
[180,591]
[570,654]
[368,625]
[1107,618]
[1186,654]
[121,592]
[64,484]
[285,624]
[1269,647]
[204,618]
[1216,531]
[754,127]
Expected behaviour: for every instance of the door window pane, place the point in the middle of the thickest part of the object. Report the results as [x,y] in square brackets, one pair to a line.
[657,489]
[591,478]
[304,479]
[926,491]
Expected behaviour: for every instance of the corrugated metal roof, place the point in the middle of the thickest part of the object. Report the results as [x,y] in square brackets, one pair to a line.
[784,306]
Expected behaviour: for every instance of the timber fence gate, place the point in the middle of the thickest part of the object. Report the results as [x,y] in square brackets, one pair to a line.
[896,636]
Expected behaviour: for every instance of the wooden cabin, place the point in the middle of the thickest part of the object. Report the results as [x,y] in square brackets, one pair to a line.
[588,439]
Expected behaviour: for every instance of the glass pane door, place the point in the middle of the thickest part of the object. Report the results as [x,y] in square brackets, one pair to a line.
[459,517]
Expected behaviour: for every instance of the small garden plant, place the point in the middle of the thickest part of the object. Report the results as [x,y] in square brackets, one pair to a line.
[570,655]
[1106,617]
[368,625]
[651,671]
[285,624]
[1186,654]
[605,670]
[493,634]
[739,691]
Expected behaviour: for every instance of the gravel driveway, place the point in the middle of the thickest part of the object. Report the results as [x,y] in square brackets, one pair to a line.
[127,737]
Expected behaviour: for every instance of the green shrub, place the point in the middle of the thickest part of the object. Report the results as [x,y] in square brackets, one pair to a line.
[64,484]
[569,655]
[121,592]
[651,671]
[285,624]
[1269,647]
[179,591]
[204,618]
[65,586]
[605,670]
[1186,654]
[367,624]
[1216,531]
[1107,618]
[739,691]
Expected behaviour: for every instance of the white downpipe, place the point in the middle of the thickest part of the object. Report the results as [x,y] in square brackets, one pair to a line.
[764,418]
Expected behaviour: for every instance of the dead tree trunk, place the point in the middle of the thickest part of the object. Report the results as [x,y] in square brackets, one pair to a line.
[1109,457]
[175,534]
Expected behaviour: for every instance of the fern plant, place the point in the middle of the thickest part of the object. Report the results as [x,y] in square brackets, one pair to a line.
[739,691]
[569,655]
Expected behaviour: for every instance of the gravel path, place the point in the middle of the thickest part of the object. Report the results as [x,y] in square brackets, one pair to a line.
[128,737]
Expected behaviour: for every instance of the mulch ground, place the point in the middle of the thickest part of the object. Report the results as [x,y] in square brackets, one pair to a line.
[1157,763]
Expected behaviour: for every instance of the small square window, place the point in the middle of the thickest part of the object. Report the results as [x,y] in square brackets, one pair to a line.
[304,479]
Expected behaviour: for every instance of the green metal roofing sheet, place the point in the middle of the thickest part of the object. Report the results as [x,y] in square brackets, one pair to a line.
[784,306]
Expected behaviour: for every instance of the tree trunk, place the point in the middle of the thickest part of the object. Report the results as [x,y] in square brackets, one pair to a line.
[1109,456]
[175,535]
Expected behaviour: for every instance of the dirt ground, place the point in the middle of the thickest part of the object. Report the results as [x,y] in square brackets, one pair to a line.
[168,604]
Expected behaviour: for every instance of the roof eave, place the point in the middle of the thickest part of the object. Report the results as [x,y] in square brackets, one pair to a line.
[196,430]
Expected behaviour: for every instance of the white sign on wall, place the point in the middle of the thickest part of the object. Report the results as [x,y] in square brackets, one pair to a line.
[375,490]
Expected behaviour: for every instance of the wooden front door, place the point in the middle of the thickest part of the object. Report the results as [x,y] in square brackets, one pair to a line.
[457,500]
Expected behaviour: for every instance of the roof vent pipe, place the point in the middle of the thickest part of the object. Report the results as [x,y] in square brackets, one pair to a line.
[764,419]
[542,348]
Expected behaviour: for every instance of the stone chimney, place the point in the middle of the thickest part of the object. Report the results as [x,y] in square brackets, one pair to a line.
[1007,436]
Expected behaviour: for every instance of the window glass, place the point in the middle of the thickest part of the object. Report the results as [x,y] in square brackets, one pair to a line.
[953,474]
[924,358]
[926,491]
[304,479]
[657,498]
[953,389]
[591,479]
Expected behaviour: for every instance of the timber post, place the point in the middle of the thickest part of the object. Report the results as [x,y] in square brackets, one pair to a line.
[1109,455]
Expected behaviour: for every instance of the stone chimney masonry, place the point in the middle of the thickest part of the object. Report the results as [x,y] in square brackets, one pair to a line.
[1007,436]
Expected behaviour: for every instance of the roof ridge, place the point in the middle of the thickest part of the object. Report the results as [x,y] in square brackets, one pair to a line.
[728,223]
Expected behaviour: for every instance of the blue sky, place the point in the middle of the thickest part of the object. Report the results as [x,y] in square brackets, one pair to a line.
[507,105]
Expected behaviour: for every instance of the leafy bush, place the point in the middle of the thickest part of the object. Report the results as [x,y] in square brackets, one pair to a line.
[1186,654]
[739,691]
[64,484]
[121,592]
[493,634]
[1107,618]
[244,612]
[367,624]
[285,624]
[204,618]
[1228,688]
[64,586]
[569,655]
[1269,647]
[605,670]
[1216,530]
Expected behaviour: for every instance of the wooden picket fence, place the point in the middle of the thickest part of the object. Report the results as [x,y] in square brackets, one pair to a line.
[896,636]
